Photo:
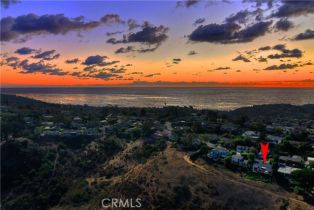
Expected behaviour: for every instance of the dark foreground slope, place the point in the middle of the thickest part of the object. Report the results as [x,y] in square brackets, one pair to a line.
[128,160]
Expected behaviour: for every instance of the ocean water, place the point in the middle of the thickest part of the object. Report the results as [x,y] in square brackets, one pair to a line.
[198,97]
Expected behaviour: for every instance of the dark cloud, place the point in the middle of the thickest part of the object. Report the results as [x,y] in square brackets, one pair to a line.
[192,52]
[41,67]
[74,60]
[26,67]
[152,75]
[220,68]
[294,8]
[11,61]
[76,74]
[264,48]
[241,58]
[309,63]
[281,67]
[259,3]
[113,33]
[117,70]
[240,17]
[90,69]
[176,60]
[214,33]
[125,50]
[31,24]
[261,59]
[148,49]
[93,69]
[132,24]
[308,34]
[199,21]
[111,19]
[280,47]
[187,3]
[25,51]
[6,3]
[229,32]
[114,41]
[98,60]
[149,35]
[243,26]
[47,55]
[283,25]
[136,72]
[103,75]
[285,53]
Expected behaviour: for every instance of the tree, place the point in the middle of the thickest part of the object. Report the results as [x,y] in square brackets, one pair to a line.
[304,178]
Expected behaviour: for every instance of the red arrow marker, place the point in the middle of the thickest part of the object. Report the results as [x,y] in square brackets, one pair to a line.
[264,148]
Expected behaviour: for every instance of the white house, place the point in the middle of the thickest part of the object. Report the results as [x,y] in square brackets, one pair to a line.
[274,139]
[242,149]
[260,167]
[218,153]
[251,135]
[286,170]
[238,159]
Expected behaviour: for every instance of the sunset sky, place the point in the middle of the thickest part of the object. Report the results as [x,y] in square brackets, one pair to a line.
[227,43]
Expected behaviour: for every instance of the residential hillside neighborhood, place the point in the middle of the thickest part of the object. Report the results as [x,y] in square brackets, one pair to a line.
[219,138]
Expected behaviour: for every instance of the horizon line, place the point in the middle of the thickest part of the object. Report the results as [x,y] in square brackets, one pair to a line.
[309,83]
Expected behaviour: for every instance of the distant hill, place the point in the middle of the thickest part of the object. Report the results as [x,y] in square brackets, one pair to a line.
[275,111]
[18,100]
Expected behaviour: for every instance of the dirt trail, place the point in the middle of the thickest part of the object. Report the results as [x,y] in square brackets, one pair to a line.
[55,161]
[216,172]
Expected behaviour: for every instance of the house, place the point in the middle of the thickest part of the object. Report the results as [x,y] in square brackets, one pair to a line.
[308,161]
[45,123]
[286,129]
[103,122]
[226,140]
[91,132]
[77,119]
[251,135]
[218,153]
[242,149]
[69,133]
[273,139]
[162,134]
[286,170]
[229,127]
[213,137]
[51,133]
[260,167]
[76,122]
[28,121]
[270,128]
[47,117]
[293,161]
[210,145]
[239,160]
[311,137]
[196,142]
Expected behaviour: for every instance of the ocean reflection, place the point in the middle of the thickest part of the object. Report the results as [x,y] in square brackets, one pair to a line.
[201,98]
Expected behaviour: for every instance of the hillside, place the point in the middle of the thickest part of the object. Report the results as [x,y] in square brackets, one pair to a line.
[66,157]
